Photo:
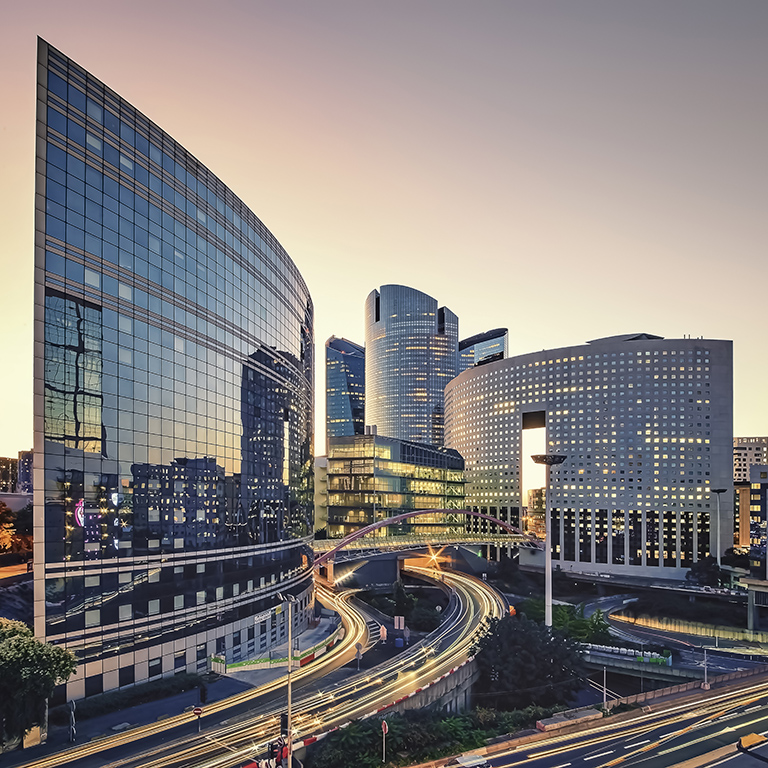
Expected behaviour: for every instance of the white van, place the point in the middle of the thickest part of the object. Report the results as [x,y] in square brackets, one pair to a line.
[471,761]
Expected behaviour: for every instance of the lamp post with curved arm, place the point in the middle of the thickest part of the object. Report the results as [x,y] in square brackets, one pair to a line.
[549,460]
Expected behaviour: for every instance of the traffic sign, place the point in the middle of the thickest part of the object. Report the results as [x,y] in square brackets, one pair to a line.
[384,727]
[197,711]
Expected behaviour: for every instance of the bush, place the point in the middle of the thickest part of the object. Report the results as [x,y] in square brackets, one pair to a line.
[113,701]
[416,736]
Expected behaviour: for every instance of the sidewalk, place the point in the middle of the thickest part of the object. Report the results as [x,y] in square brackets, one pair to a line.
[307,639]
[150,712]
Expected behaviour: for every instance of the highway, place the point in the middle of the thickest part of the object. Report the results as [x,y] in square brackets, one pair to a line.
[358,696]
[318,708]
[356,631]
[662,739]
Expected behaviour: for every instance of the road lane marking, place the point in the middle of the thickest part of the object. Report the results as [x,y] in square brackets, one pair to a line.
[637,744]
[602,754]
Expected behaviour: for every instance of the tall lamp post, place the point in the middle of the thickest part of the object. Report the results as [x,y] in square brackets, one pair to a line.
[717,492]
[549,460]
[290,599]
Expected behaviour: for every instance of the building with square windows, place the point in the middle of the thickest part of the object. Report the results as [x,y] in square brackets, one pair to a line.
[646,424]
[173,400]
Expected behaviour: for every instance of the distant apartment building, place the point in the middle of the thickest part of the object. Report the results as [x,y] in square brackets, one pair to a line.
[741,514]
[411,353]
[344,388]
[758,505]
[483,348]
[24,481]
[9,473]
[646,425]
[372,477]
[748,451]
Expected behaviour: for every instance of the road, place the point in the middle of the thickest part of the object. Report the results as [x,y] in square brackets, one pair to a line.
[359,695]
[319,707]
[723,656]
[679,733]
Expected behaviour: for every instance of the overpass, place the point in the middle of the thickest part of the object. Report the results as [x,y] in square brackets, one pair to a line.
[366,541]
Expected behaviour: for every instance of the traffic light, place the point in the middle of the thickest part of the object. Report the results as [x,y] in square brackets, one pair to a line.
[284,724]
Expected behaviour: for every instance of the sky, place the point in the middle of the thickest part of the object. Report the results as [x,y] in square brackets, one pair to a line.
[569,170]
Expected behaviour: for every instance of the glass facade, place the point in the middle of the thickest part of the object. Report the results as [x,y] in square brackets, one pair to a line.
[411,354]
[371,478]
[344,388]
[173,400]
[483,348]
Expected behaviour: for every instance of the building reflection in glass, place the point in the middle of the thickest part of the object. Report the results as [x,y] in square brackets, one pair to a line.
[174,406]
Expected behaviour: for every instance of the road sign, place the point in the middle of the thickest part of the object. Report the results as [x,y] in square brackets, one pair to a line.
[384,727]
[197,711]
[359,646]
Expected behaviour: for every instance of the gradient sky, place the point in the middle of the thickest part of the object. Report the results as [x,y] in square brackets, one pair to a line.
[569,169]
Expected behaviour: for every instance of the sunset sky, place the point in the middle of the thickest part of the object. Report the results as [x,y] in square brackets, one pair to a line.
[569,169]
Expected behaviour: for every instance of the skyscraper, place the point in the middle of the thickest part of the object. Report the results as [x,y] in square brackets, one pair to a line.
[344,388]
[482,348]
[411,349]
[647,426]
[173,400]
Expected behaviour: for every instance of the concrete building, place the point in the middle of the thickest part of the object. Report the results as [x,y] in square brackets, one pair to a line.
[9,474]
[748,451]
[25,465]
[411,353]
[173,400]
[646,424]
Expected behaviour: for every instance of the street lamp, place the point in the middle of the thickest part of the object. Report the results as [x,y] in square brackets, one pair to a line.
[549,460]
[290,599]
[717,492]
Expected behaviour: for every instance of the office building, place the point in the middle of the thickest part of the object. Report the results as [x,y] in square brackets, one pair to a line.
[483,348]
[411,349]
[646,424]
[371,477]
[344,388]
[748,451]
[173,400]
[24,480]
[9,473]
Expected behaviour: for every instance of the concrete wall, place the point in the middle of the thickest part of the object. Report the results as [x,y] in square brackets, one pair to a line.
[693,628]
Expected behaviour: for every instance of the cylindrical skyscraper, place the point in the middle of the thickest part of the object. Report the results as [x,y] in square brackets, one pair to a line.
[411,349]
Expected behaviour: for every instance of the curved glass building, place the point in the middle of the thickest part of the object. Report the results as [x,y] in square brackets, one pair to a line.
[646,424]
[173,400]
[411,350]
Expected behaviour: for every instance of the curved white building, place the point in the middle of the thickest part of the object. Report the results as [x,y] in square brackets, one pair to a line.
[647,425]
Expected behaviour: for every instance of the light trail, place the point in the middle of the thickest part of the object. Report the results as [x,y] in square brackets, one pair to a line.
[359,696]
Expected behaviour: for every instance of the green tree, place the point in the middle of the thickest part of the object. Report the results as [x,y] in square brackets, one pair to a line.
[523,663]
[706,573]
[598,628]
[29,671]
